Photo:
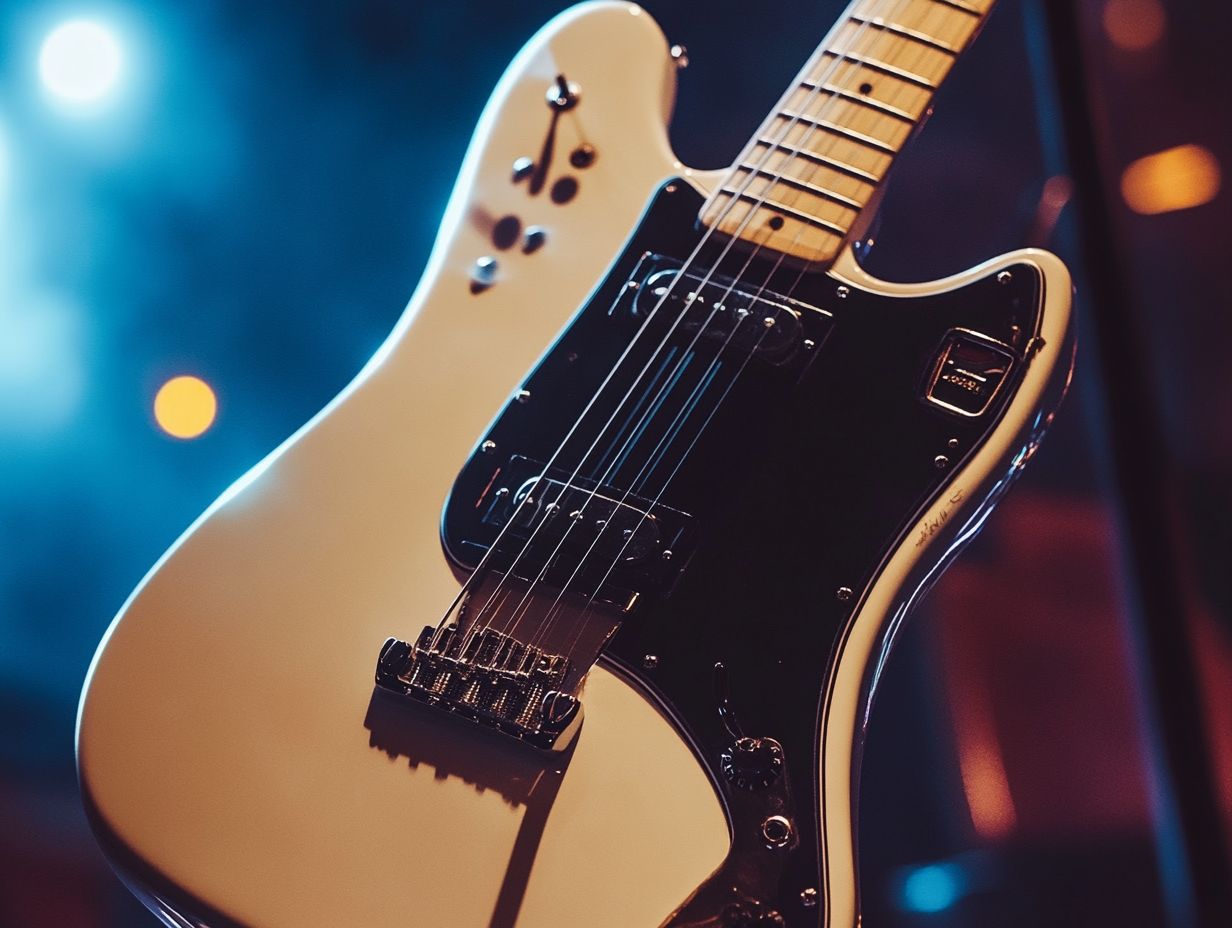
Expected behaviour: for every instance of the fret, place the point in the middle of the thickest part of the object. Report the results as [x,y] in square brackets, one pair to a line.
[890,132]
[830,90]
[961,7]
[884,68]
[773,206]
[924,20]
[817,161]
[877,86]
[795,151]
[855,190]
[791,180]
[822,141]
[851,134]
[908,34]
[764,227]
[903,56]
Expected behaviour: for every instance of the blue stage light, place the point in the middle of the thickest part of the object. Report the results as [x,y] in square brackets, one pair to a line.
[932,888]
[80,61]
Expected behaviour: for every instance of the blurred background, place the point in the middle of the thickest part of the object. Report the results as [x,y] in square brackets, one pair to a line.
[212,212]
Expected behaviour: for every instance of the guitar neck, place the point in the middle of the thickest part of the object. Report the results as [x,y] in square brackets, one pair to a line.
[817,160]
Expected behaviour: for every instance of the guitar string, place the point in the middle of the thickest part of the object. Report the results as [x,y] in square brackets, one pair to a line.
[813,93]
[653,462]
[698,391]
[478,625]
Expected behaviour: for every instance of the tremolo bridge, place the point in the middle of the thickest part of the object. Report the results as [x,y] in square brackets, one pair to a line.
[487,677]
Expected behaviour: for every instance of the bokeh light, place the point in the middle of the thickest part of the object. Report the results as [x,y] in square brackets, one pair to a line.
[932,888]
[185,407]
[80,61]
[1176,178]
[1134,25]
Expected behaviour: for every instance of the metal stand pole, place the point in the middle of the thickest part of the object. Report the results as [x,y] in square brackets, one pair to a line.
[1190,840]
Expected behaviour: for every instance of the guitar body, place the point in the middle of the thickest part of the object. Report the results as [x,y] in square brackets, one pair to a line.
[236,760]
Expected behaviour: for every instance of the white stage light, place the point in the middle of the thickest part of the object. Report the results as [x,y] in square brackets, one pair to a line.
[80,61]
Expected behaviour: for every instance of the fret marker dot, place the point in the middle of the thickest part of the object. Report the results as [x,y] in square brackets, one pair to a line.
[776,222]
[866,88]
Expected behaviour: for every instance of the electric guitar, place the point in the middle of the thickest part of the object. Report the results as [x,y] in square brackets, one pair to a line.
[569,610]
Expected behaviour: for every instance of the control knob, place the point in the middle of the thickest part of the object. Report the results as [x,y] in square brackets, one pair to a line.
[752,763]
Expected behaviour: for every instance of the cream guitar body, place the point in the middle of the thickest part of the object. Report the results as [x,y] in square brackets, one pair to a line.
[236,760]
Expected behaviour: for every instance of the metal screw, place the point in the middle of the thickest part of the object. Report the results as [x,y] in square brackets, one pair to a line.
[953,443]
[523,396]
[842,292]
[667,554]
[941,462]
[671,188]
[1004,277]
[680,55]
[488,446]
[650,661]
[809,344]
[808,898]
[777,831]
[843,593]
[768,322]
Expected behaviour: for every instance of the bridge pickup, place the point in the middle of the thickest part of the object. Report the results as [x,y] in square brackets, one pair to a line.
[598,540]
[488,678]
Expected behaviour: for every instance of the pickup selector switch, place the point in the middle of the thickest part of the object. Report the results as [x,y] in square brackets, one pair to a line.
[752,763]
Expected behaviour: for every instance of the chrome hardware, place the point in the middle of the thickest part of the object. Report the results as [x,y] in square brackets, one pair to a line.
[523,168]
[808,898]
[489,678]
[843,594]
[650,661]
[483,273]
[1004,277]
[488,447]
[941,462]
[842,292]
[680,55]
[563,94]
[778,831]
[752,763]
[952,443]
[969,371]
[534,238]
[522,396]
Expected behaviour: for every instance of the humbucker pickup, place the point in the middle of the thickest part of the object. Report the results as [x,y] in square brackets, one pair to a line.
[487,677]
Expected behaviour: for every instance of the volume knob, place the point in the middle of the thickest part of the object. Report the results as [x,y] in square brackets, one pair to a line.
[752,763]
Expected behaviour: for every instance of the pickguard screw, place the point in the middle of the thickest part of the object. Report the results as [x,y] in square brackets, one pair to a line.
[768,322]
[843,594]
[808,898]
[680,55]
[488,446]
[809,344]
[667,554]
[1004,277]
[650,661]
[523,396]
[522,168]
[941,462]
[953,443]
[843,292]
[671,188]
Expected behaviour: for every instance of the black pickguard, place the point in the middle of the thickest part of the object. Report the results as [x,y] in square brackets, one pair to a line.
[811,471]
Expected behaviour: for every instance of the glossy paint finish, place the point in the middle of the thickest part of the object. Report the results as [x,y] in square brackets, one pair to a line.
[231,752]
